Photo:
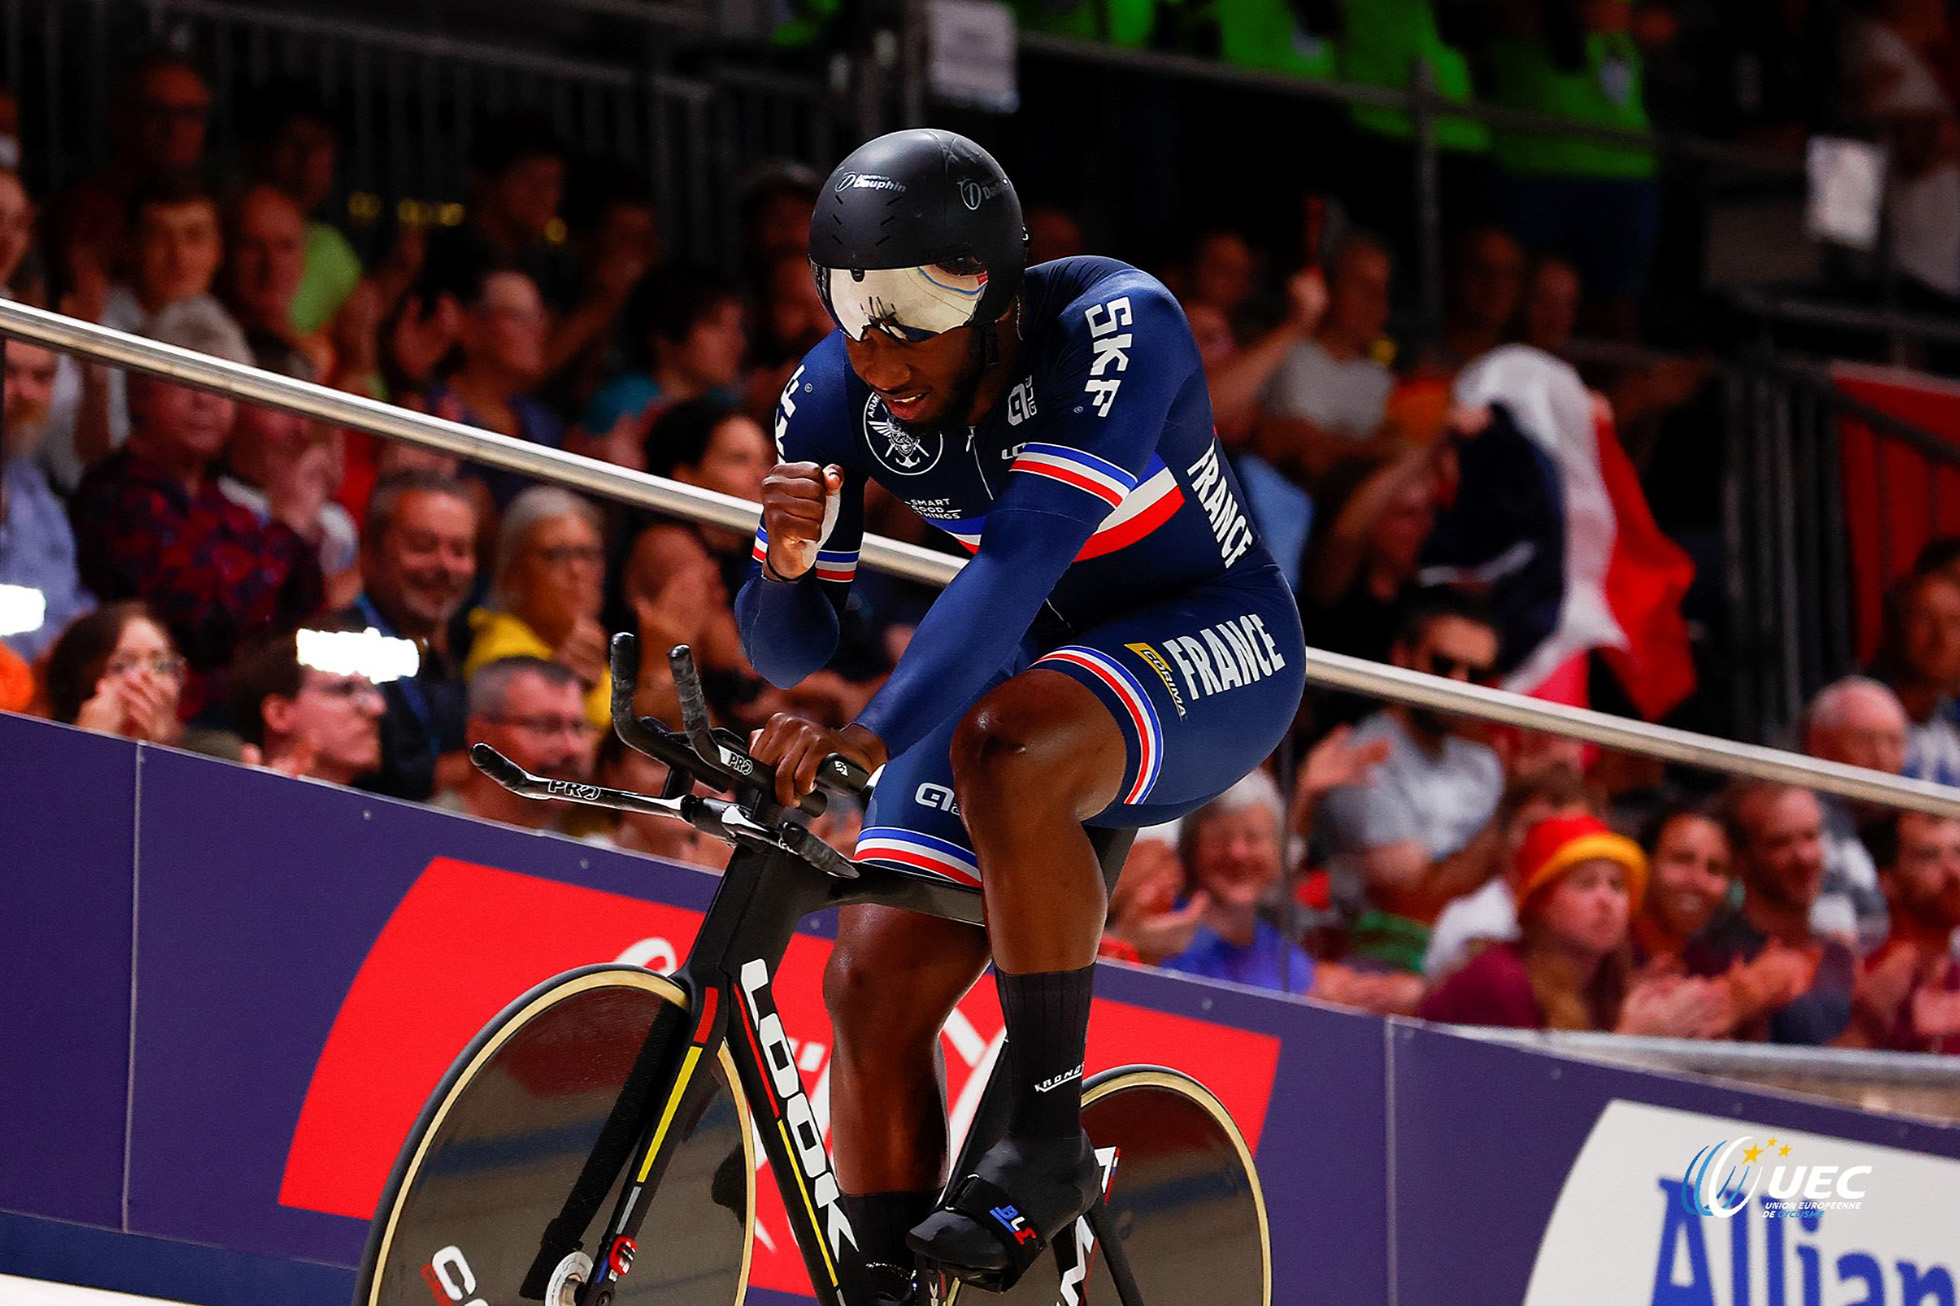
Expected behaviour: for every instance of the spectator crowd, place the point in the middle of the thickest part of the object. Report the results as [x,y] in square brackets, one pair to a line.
[182,568]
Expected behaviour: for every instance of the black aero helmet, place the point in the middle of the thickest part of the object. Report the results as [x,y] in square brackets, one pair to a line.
[916,233]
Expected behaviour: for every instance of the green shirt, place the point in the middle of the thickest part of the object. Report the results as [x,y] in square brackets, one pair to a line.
[1264,34]
[1119,22]
[1606,91]
[332,272]
[1383,40]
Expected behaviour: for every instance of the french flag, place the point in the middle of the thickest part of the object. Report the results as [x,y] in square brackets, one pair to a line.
[1617,581]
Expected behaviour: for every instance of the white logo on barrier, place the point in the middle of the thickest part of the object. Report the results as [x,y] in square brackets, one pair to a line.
[1834,1222]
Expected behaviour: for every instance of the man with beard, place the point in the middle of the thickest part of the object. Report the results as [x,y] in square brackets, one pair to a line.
[1425,831]
[37,547]
[418,564]
[533,712]
[1908,993]
[1794,987]
[1120,650]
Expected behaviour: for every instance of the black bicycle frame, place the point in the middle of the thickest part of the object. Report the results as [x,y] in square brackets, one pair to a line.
[763,895]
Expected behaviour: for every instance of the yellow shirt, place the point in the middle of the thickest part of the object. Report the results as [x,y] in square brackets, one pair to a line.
[501,635]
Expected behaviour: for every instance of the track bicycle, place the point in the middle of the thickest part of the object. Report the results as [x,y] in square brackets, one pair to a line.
[594,1145]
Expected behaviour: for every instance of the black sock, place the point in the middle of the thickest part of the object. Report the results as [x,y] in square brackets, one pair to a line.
[1047,1028]
[881,1221]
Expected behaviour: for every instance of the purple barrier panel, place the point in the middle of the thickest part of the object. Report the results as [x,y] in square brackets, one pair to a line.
[1324,1144]
[1522,1177]
[67,840]
[264,899]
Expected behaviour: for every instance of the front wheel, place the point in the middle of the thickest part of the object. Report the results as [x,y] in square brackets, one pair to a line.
[1183,1195]
[505,1136]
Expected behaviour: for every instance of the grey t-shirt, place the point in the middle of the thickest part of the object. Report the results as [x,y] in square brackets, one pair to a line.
[1350,398]
[1440,799]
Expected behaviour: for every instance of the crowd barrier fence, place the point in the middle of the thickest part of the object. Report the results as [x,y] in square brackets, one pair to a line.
[229,992]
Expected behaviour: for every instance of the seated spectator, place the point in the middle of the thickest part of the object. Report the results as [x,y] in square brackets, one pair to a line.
[1490,914]
[1146,923]
[1857,722]
[690,325]
[517,186]
[679,577]
[1421,832]
[532,712]
[1693,873]
[157,125]
[1232,845]
[1484,284]
[546,592]
[1895,89]
[1220,272]
[151,523]
[1551,305]
[775,205]
[293,145]
[279,457]
[16,682]
[1908,992]
[616,243]
[1786,985]
[302,720]
[621,767]
[1593,202]
[116,672]
[1371,524]
[1919,660]
[499,358]
[790,320]
[1328,397]
[37,547]
[418,564]
[176,246]
[20,278]
[265,248]
[1579,886]
[1053,233]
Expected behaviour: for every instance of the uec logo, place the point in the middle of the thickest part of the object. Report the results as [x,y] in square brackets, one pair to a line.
[1724,1176]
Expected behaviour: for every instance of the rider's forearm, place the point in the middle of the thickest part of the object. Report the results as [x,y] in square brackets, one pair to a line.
[972,630]
[789,628]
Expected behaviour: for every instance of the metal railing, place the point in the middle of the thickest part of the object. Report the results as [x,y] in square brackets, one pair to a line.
[1900,1083]
[119,349]
[410,102]
[1790,579]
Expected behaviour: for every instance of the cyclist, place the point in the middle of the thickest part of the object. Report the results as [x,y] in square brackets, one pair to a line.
[1120,649]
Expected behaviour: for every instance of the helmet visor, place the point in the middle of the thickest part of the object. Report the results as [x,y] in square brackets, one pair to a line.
[905,303]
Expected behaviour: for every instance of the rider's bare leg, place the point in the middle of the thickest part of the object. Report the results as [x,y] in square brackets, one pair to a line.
[893,979]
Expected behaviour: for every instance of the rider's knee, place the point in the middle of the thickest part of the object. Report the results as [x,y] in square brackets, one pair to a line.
[999,745]
[868,1003]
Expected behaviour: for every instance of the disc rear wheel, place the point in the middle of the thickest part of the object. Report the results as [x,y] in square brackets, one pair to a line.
[1183,1196]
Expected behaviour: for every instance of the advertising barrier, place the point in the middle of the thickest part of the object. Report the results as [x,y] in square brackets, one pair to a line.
[229,992]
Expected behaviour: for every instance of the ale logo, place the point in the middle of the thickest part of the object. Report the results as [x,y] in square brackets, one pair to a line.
[1724,1176]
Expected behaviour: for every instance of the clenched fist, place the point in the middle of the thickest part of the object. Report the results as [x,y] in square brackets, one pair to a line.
[799,508]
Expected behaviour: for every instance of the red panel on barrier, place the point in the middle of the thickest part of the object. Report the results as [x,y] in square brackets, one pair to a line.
[464,942]
[466,939]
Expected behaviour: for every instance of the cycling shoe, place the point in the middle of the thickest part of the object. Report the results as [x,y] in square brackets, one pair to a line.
[995,1222]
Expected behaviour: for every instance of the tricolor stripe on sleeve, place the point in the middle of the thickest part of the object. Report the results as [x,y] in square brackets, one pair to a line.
[1138,710]
[1086,472]
[839,565]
